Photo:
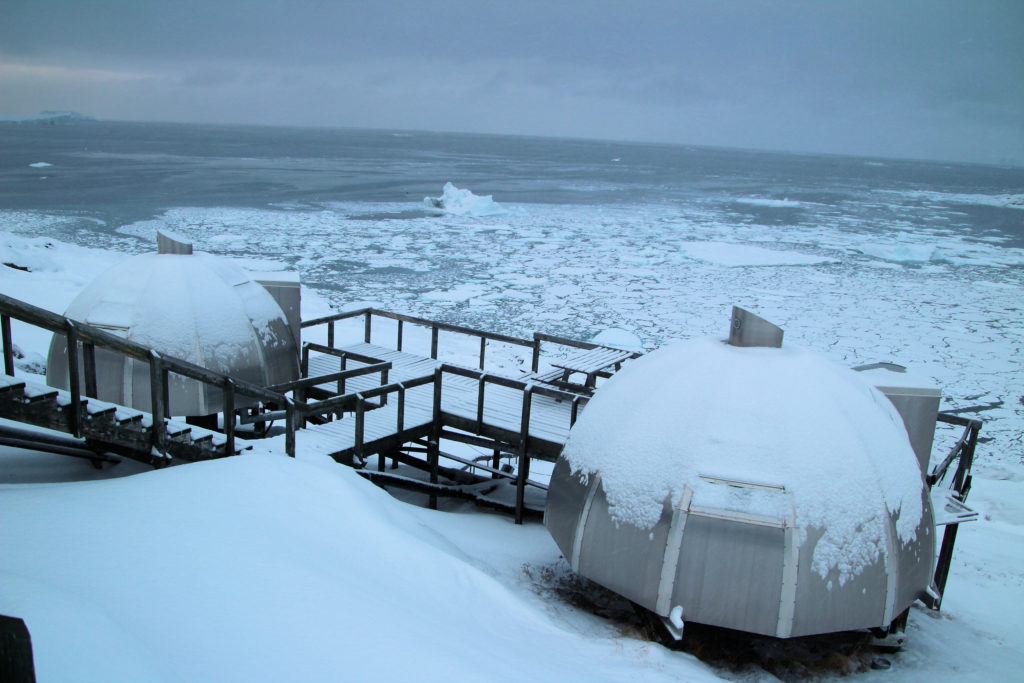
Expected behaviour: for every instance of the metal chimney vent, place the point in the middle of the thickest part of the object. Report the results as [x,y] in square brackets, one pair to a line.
[748,329]
[169,243]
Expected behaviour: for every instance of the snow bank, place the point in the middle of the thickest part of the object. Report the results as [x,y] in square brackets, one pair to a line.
[464,203]
[265,568]
[737,255]
[783,417]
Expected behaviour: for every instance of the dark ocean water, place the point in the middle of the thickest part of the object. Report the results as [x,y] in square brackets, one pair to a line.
[865,259]
[124,172]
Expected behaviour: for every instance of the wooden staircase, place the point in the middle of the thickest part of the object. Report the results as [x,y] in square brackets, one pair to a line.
[107,427]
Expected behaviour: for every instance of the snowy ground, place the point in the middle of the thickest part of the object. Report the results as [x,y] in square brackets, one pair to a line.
[263,568]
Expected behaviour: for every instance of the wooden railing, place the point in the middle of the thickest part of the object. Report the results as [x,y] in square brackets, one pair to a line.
[529,390]
[436,327]
[962,453]
[82,341]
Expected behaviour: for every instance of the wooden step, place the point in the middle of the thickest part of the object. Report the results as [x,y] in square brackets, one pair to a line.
[12,389]
[179,432]
[102,417]
[41,397]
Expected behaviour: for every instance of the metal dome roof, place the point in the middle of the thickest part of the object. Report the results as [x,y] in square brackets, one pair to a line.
[761,489]
[196,307]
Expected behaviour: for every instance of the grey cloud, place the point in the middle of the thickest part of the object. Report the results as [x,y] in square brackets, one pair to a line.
[846,77]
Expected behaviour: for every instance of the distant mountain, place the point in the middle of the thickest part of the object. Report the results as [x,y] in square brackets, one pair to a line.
[49,118]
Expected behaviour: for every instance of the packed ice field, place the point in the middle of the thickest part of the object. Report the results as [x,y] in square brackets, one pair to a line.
[926,293]
[256,578]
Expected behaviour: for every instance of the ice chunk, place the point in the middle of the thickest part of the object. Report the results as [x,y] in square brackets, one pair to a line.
[462,202]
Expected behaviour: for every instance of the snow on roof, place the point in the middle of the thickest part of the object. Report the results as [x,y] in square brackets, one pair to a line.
[780,417]
[196,307]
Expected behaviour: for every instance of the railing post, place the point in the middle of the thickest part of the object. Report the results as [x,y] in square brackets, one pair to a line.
[5,326]
[357,446]
[433,341]
[399,345]
[524,458]
[89,356]
[434,446]
[535,361]
[483,349]
[165,383]
[367,322]
[289,427]
[482,384]
[156,393]
[304,367]
[229,416]
[343,363]
[330,335]
[400,422]
[74,382]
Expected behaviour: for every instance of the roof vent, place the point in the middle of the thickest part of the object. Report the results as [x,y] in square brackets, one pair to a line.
[169,243]
[748,329]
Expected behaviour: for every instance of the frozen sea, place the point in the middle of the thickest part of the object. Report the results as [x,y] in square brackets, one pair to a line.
[919,263]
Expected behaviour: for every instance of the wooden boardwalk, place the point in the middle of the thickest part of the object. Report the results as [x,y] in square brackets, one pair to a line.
[481,404]
[112,428]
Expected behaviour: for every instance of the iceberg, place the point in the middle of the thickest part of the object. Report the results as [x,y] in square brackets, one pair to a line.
[461,202]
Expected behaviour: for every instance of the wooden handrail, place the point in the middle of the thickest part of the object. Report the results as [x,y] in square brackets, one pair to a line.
[160,367]
[424,322]
[331,377]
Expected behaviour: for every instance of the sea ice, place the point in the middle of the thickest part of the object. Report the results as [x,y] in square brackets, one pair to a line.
[462,202]
[738,255]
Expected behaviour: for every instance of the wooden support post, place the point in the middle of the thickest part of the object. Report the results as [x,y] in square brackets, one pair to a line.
[289,427]
[156,394]
[229,416]
[535,360]
[524,458]
[304,367]
[5,326]
[89,358]
[360,426]
[433,449]
[483,350]
[495,461]
[367,329]
[74,386]
[401,408]
[482,383]
[165,384]
[575,411]
[400,422]
[399,345]
[330,334]
[433,341]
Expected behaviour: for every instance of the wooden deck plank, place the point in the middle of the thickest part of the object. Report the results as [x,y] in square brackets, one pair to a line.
[549,419]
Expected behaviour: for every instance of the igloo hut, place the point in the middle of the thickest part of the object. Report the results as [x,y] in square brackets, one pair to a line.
[758,488]
[192,306]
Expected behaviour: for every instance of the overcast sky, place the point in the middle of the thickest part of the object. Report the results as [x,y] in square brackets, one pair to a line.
[933,79]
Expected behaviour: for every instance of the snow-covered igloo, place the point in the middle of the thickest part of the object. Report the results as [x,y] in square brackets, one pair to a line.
[767,490]
[193,306]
